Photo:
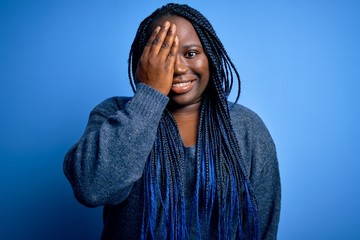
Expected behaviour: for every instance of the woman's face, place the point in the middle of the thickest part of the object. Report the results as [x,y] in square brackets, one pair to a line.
[191,70]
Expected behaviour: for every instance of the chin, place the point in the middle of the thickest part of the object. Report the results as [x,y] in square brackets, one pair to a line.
[183,101]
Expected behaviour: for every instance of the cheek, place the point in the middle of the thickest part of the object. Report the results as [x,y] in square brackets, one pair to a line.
[202,67]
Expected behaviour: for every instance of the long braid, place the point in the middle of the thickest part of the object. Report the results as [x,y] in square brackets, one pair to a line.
[222,192]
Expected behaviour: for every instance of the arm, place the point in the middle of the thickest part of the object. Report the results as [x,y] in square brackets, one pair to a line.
[265,179]
[259,154]
[111,154]
[266,183]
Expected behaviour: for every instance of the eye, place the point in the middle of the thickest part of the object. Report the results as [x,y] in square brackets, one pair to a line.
[191,54]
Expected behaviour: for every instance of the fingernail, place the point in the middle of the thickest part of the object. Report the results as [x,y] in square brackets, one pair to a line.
[167,24]
[157,29]
[173,27]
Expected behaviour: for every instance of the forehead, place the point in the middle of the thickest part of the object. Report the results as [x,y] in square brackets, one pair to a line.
[184,29]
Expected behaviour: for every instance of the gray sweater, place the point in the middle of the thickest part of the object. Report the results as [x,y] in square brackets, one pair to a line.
[105,166]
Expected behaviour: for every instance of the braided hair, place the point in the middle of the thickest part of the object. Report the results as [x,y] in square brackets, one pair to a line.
[223,195]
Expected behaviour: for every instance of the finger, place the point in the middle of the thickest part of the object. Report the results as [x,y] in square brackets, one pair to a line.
[173,51]
[159,39]
[151,40]
[168,42]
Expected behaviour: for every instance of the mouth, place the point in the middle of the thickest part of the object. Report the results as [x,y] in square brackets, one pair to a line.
[182,87]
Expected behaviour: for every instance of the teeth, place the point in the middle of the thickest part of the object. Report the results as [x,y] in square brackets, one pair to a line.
[181,84]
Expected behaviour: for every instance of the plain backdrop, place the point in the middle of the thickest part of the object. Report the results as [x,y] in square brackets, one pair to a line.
[300,69]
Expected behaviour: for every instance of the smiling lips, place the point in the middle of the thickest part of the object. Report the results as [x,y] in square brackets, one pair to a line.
[182,87]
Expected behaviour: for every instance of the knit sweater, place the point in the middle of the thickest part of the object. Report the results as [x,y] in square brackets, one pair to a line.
[106,165]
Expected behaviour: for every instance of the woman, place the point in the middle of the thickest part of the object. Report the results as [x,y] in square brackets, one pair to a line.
[177,161]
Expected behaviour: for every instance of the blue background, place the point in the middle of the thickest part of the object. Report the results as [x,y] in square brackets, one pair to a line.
[299,64]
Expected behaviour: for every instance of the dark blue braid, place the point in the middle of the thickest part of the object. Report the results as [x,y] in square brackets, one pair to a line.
[223,192]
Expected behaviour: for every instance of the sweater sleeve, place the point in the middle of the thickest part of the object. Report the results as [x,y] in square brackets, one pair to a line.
[110,156]
[260,158]
[265,179]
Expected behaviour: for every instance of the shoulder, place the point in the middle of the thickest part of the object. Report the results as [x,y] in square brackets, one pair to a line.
[240,110]
[256,144]
[244,119]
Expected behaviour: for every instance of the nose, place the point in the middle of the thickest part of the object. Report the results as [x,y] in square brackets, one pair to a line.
[180,65]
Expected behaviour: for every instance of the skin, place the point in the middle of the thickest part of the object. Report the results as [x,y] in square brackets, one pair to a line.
[174,54]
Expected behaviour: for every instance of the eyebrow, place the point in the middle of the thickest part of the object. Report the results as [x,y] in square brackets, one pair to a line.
[192,45]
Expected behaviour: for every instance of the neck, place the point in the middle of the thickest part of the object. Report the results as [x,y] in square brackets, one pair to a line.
[184,110]
[187,119]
